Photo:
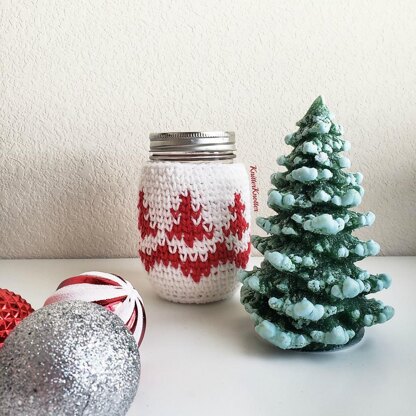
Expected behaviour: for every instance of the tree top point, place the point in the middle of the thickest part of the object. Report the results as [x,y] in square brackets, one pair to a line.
[318,108]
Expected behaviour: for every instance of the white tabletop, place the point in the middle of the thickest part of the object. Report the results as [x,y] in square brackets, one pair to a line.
[207,360]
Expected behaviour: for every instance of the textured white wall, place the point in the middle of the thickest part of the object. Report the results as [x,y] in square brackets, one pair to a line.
[84,81]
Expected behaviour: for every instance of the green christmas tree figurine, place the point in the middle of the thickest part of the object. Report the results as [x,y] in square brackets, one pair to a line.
[308,294]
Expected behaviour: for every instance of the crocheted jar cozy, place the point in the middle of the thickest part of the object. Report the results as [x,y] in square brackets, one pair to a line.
[194,228]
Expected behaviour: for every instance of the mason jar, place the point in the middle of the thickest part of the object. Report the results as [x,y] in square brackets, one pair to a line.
[193,216]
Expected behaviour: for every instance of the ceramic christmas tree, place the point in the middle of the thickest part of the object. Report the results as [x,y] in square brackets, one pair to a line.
[308,294]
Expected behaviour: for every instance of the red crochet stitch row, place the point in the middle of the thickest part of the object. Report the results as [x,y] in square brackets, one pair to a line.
[187,230]
[238,226]
[199,268]
[190,225]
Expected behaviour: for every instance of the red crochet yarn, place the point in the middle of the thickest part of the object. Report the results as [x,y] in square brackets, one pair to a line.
[188,223]
[190,227]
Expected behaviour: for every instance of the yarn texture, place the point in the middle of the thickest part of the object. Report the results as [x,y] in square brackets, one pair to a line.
[194,222]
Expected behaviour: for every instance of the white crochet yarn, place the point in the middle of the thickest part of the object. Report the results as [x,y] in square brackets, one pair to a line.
[193,255]
[171,284]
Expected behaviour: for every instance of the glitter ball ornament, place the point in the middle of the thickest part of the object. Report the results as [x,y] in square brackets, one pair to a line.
[70,358]
[13,308]
[110,291]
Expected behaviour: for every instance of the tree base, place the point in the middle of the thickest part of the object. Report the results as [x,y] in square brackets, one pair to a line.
[316,347]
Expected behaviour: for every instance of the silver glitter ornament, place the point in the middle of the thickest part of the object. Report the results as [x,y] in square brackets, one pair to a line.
[69,358]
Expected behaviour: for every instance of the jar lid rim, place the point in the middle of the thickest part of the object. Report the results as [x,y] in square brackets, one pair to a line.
[192,144]
[188,135]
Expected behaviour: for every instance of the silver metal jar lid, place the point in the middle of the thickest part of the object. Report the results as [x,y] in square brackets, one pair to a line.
[192,146]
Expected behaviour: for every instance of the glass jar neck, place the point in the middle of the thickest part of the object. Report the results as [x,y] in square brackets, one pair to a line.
[193,157]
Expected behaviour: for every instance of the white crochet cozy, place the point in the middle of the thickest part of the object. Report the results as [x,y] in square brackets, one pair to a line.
[194,228]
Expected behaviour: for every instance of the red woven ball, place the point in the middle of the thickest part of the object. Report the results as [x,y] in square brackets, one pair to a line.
[13,309]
